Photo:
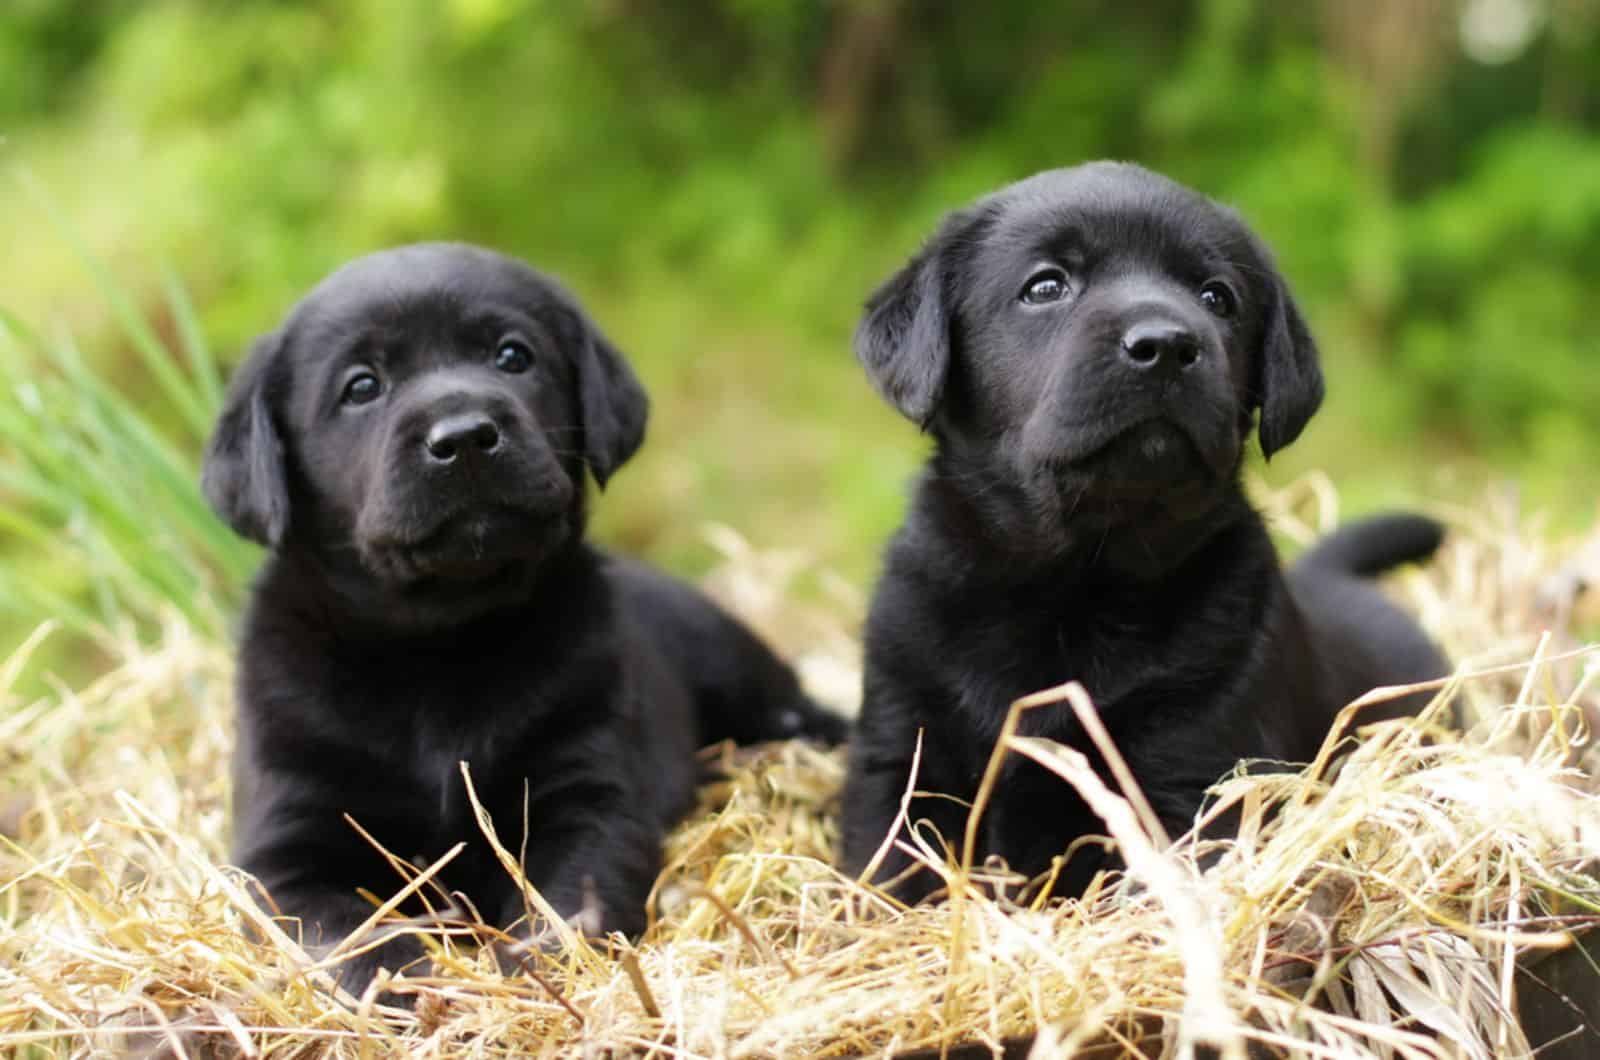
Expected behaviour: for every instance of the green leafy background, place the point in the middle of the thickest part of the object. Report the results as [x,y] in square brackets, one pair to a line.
[724,181]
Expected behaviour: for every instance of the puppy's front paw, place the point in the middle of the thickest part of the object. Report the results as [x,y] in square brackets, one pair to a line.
[514,953]
[400,952]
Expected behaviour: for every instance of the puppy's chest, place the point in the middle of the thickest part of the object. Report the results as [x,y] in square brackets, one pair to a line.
[425,714]
[441,694]
[435,739]
[439,767]
[997,661]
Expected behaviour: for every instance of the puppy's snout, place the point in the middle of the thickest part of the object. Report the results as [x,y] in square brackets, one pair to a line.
[465,434]
[1155,345]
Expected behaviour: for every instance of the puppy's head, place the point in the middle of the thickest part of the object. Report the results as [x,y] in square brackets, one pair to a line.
[1090,347]
[420,426]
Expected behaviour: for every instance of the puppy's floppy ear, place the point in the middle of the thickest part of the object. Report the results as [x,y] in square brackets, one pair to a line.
[904,337]
[1288,376]
[612,400]
[243,474]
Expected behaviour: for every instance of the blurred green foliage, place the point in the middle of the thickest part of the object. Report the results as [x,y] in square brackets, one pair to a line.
[725,180]
[106,505]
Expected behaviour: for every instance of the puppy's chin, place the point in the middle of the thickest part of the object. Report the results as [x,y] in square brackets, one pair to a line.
[468,564]
[1154,461]
[1137,504]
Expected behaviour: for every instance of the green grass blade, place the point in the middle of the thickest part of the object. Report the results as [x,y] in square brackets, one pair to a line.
[204,370]
[102,523]
[183,395]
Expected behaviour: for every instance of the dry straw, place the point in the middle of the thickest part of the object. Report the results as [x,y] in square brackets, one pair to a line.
[1377,905]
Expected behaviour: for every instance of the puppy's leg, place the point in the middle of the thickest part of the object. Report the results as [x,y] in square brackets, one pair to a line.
[593,846]
[795,716]
[741,690]
[872,801]
[328,915]
[882,759]
[597,872]
[311,864]
[745,693]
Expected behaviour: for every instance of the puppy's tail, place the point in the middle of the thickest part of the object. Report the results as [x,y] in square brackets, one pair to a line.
[1368,547]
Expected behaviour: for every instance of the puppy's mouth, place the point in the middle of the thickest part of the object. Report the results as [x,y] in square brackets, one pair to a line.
[1147,456]
[465,549]
[1150,471]
[1155,440]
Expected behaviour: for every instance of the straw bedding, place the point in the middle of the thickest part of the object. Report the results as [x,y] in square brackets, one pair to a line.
[1377,906]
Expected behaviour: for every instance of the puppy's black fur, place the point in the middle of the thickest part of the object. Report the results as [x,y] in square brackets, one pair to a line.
[412,444]
[1089,349]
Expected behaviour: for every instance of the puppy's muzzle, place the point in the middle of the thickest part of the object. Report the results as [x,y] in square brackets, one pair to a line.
[1144,402]
[463,451]
[460,433]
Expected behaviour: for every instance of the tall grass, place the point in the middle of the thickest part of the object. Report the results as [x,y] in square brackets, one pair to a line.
[1399,905]
[102,525]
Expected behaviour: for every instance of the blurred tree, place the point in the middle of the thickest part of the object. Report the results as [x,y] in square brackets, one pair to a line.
[861,43]
[726,179]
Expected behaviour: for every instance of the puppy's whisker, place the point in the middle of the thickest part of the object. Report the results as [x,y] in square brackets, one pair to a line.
[986,481]
[1077,499]
[1144,543]
[1105,535]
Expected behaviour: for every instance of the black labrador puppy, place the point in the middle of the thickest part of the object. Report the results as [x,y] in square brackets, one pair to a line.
[412,444]
[1089,348]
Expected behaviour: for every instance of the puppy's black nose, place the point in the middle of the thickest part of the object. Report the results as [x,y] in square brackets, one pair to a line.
[468,432]
[1160,344]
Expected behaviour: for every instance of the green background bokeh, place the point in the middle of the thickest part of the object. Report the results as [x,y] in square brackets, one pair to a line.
[723,181]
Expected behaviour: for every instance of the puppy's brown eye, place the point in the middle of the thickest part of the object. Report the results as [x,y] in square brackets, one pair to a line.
[1044,287]
[1216,297]
[513,357]
[362,389]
